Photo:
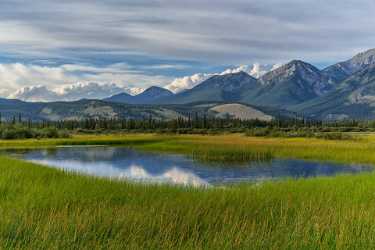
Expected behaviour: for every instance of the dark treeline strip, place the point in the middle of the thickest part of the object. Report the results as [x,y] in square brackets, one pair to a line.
[17,127]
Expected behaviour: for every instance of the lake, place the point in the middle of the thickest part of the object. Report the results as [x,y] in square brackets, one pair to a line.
[129,164]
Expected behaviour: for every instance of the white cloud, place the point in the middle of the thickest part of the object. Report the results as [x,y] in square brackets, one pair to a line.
[35,94]
[256,70]
[16,76]
[90,91]
[187,82]
[72,81]
[180,84]
[70,93]
[73,92]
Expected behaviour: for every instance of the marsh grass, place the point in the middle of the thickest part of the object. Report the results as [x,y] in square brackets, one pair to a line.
[298,133]
[359,150]
[43,208]
[232,155]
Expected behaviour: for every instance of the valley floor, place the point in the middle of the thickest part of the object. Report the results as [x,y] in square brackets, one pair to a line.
[43,208]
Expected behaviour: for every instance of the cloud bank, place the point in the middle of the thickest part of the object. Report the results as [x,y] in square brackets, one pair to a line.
[55,86]
[72,82]
[71,93]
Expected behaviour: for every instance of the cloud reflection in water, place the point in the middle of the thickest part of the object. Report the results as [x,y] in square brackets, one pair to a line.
[174,175]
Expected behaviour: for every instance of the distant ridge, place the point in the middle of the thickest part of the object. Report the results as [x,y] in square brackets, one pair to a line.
[229,87]
[345,90]
[97,109]
[121,98]
[149,96]
[340,71]
[353,99]
[290,84]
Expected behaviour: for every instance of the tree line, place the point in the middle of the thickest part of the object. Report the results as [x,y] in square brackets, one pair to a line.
[191,123]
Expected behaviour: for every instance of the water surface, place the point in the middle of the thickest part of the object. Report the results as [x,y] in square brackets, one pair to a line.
[125,163]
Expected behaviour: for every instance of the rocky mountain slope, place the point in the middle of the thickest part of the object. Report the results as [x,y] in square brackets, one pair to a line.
[340,71]
[291,84]
[219,88]
[354,99]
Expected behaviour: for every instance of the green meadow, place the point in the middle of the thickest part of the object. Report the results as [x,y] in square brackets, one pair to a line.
[44,208]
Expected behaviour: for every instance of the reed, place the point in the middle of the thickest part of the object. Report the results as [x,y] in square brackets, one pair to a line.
[232,155]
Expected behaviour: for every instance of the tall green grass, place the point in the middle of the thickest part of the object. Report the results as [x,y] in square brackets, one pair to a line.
[230,155]
[42,208]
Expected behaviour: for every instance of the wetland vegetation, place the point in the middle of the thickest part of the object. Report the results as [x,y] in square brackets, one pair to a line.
[45,208]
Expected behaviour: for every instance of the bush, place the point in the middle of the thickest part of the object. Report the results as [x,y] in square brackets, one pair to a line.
[334,136]
[295,133]
[261,132]
[17,132]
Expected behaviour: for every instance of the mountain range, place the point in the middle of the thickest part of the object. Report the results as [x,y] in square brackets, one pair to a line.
[345,90]
[151,95]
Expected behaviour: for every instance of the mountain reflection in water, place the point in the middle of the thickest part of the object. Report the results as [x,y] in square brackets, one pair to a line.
[125,163]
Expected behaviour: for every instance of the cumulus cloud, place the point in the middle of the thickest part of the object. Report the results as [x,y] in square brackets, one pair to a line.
[256,70]
[89,91]
[71,93]
[16,76]
[35,94]
[180,84]
[71,82]
[187,82]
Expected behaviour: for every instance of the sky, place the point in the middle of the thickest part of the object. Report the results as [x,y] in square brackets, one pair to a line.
[51,50]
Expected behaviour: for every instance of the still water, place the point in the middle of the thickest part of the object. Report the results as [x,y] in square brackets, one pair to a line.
[125,163]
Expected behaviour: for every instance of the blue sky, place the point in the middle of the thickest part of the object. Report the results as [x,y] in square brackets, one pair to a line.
[57,44]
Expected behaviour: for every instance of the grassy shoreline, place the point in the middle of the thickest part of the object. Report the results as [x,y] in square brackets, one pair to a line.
[358,151]
[44,208]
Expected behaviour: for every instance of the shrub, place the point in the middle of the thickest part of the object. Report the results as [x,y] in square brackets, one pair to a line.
[295,133]
[334,136]
[16,132]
